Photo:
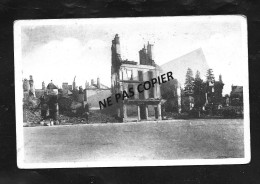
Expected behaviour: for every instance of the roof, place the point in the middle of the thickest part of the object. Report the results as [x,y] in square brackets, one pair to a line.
[102,86]
[129,62]
[219,83]
[94,86]
[237,89]
[94,99]
[39,93]
[51,86]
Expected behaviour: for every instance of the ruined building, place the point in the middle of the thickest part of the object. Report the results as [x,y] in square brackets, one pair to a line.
[28,87]
[129,74]
[145,54]
[94,92]
[214,91]
[52,89]
[40,92]
[236,96]
[66,89]
[31,83]
[89,94]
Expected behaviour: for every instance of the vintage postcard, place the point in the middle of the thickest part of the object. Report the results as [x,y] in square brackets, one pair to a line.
[112,92]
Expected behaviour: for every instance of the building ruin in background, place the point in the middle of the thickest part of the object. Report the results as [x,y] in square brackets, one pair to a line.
[95,91]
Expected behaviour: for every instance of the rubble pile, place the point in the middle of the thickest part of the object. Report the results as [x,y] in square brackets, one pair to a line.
[31,116]
[94,117]
[98,117]
[70,113]
[71,120]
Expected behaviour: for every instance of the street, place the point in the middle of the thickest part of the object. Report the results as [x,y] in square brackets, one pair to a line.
[165,140]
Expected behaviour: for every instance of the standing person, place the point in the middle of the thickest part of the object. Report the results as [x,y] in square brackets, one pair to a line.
[44,107]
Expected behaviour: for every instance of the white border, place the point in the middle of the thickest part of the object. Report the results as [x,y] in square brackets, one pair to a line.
[19,95]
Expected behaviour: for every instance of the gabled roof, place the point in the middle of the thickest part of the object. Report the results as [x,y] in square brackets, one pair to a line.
[51,86]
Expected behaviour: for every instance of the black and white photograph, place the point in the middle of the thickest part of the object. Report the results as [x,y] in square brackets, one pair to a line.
[116,92]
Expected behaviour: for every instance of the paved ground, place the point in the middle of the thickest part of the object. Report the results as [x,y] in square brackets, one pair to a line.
[178,139]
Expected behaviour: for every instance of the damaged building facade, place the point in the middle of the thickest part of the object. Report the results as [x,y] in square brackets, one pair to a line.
[28,87]
[127,74]
[94,91]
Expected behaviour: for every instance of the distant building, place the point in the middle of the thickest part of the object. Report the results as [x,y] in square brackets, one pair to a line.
[28,88]
[66,89]
[214,92]
[197,62]
[39,93]
[145,54]
[226,100]
[52,89]
[236,96]
[128,74]
[171,92]
[94,92]
[187,101]
[219,85]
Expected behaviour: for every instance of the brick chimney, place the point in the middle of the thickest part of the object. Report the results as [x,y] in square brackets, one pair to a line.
[31,83]
[98,83]
[86,84]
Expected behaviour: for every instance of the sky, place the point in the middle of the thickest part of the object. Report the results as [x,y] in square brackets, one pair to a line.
[59,50]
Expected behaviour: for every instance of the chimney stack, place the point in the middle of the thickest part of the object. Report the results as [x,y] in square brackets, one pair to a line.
[43,85]
[98,83]
[220,78]
[86,84]
[31,83]
[116,43]
[150,51]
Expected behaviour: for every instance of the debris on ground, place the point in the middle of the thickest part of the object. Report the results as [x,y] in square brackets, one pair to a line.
[32,117]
